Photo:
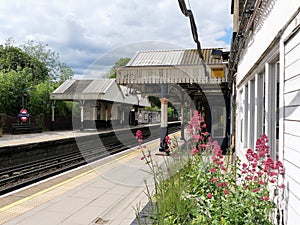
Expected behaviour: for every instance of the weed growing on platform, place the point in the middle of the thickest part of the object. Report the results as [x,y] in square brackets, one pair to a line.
[210,189]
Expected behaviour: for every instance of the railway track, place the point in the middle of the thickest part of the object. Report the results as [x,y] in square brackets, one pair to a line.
[17,177]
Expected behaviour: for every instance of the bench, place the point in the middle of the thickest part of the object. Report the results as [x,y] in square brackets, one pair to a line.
[25,128]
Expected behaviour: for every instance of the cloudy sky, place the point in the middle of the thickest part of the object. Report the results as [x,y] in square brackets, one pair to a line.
[95,33]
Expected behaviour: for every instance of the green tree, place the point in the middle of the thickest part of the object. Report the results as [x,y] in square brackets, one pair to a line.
[120,62]
[57,71]
[39,102]
[65,73]
[13,58]
[31,65]
[12,85]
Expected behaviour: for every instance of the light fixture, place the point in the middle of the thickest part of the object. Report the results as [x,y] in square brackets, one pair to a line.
[216,53]
[219,54]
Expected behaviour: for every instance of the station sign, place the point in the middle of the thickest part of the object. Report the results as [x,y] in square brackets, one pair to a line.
[23,115]
[218,72]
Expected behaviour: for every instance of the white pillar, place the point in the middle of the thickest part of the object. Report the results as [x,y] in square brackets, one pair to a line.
[163,124]
[53,115]
[82,102]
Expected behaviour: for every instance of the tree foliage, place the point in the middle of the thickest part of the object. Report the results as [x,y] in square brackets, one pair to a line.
[57,71]
[12,84]
[13,58]
[120,62]
[31,71]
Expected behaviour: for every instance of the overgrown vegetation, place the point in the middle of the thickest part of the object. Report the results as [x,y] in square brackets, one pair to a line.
[207,188]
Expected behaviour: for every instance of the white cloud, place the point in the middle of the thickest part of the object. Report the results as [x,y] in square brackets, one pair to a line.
[83,31]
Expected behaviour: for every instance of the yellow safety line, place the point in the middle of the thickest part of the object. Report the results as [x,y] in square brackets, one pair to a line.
[66,181]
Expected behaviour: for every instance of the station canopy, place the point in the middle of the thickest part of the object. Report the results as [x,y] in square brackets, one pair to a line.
[172,66]
[104,89]
[183,72]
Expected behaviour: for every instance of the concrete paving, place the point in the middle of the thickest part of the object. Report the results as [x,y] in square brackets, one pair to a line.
[107,193]
[21,139]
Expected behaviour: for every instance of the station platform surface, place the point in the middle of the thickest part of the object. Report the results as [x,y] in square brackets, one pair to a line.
[108,191]
[20,139]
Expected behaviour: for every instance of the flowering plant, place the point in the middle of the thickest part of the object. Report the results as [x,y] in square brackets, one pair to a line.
[212,189]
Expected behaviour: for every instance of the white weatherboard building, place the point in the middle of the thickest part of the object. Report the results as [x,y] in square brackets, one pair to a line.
[265,69]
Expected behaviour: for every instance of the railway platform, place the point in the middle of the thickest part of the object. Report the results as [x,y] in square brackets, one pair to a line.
[108,191]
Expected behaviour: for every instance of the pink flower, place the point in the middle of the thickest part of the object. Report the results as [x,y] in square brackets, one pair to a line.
[206,133]
[219,184]
[226,192]
[196,113]
[138,134]
[281,186]
[281,171]
[168,139]
[261,182]
[265,198]
[223,168]
[244,165]
[219,162]
[254,164]
[249,151]
[272,181]
[255,189]
[213,179]
[194,151]
[209,195]
[203,146]
[261,153]
[279,164]
[249,178]
[273,174]
[199,137]
[213,170]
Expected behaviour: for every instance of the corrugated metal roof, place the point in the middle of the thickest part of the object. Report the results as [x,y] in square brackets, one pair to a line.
[99,86]
[96,89]
[171,58]
[63,87]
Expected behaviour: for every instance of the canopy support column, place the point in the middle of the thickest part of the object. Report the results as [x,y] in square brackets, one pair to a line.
[82,102]
[164,120]
[53,115]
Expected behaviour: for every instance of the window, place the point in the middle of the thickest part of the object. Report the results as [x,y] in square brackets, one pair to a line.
[246,110]
[272,106]
[251,125]
[259,105]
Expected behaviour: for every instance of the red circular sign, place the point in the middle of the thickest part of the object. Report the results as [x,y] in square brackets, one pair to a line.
[23,115]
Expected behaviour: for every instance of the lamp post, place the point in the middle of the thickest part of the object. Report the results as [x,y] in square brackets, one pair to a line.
[24,94]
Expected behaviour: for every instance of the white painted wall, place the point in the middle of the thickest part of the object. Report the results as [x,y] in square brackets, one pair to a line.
[287,51]
[291,121]
[280,11]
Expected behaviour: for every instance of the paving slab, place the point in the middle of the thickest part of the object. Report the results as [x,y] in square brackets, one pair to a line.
[111,191]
